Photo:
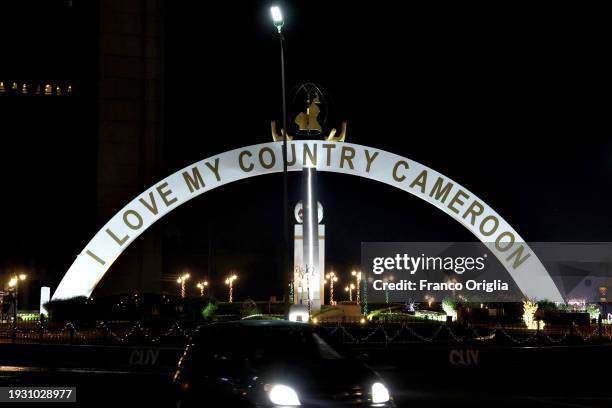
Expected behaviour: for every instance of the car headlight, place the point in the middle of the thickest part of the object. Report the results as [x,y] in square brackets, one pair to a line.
[380,393]
[282,395]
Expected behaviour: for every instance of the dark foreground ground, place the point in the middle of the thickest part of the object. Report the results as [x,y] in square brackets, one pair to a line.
[418,376]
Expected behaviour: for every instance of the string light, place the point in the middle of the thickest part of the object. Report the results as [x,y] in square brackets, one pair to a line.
[331,278]
[349,289]
[365,300]
[202,285]
[529,311]
[230,282]
[354,334]
[181,281]
[357,275]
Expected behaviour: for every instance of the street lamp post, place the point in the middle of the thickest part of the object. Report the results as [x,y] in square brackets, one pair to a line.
[349,289]
[300,278]
[307,275]
[181,281]
[230,282]
[277,18]
[14,284]
[202,285]
[357,276]
[331,277]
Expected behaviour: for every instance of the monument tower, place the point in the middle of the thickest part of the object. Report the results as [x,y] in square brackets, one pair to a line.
[309,234]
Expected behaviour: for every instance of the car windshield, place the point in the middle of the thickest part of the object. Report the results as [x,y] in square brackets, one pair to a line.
[265,343]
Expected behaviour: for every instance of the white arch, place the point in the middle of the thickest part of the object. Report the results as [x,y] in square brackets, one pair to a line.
[445,194]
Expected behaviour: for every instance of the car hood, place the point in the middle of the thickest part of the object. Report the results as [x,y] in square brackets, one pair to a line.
[318,375]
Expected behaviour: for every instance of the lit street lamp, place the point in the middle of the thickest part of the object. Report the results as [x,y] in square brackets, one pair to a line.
[357,276]
[349,289]
[181,281]
[277,19]
[230,282]
[14,285]
[202,285]
[331,277]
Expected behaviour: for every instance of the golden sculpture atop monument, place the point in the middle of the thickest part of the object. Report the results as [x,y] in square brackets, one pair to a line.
[275,136]
[308,120]
[311,112]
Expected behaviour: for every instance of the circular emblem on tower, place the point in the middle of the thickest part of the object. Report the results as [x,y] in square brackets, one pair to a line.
[299,212]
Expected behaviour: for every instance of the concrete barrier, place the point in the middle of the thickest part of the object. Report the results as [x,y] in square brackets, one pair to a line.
[132,358]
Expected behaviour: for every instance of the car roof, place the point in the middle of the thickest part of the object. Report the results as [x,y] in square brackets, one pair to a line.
[258,324]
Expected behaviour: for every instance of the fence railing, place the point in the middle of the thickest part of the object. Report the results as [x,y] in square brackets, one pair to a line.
[355,332]
[479,333]
[98,333]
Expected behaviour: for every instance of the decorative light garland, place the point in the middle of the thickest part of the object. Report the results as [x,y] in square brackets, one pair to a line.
[365,299]
[472,333]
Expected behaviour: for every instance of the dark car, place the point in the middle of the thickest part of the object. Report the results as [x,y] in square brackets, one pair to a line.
[260,363]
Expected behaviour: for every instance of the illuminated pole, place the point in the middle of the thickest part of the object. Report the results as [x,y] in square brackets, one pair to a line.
[277,18]
[358,289]
[331,277]
[357,276]
[308,291]
[230,282]
[365,300]
[349,289]
[386,290]
[202,285]
[181,281]
[299,271]
[14,283]
[310,240]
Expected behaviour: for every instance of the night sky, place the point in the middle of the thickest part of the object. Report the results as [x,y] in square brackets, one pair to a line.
[509,102]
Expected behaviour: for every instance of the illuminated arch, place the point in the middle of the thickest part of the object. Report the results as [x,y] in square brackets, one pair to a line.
[440,191]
